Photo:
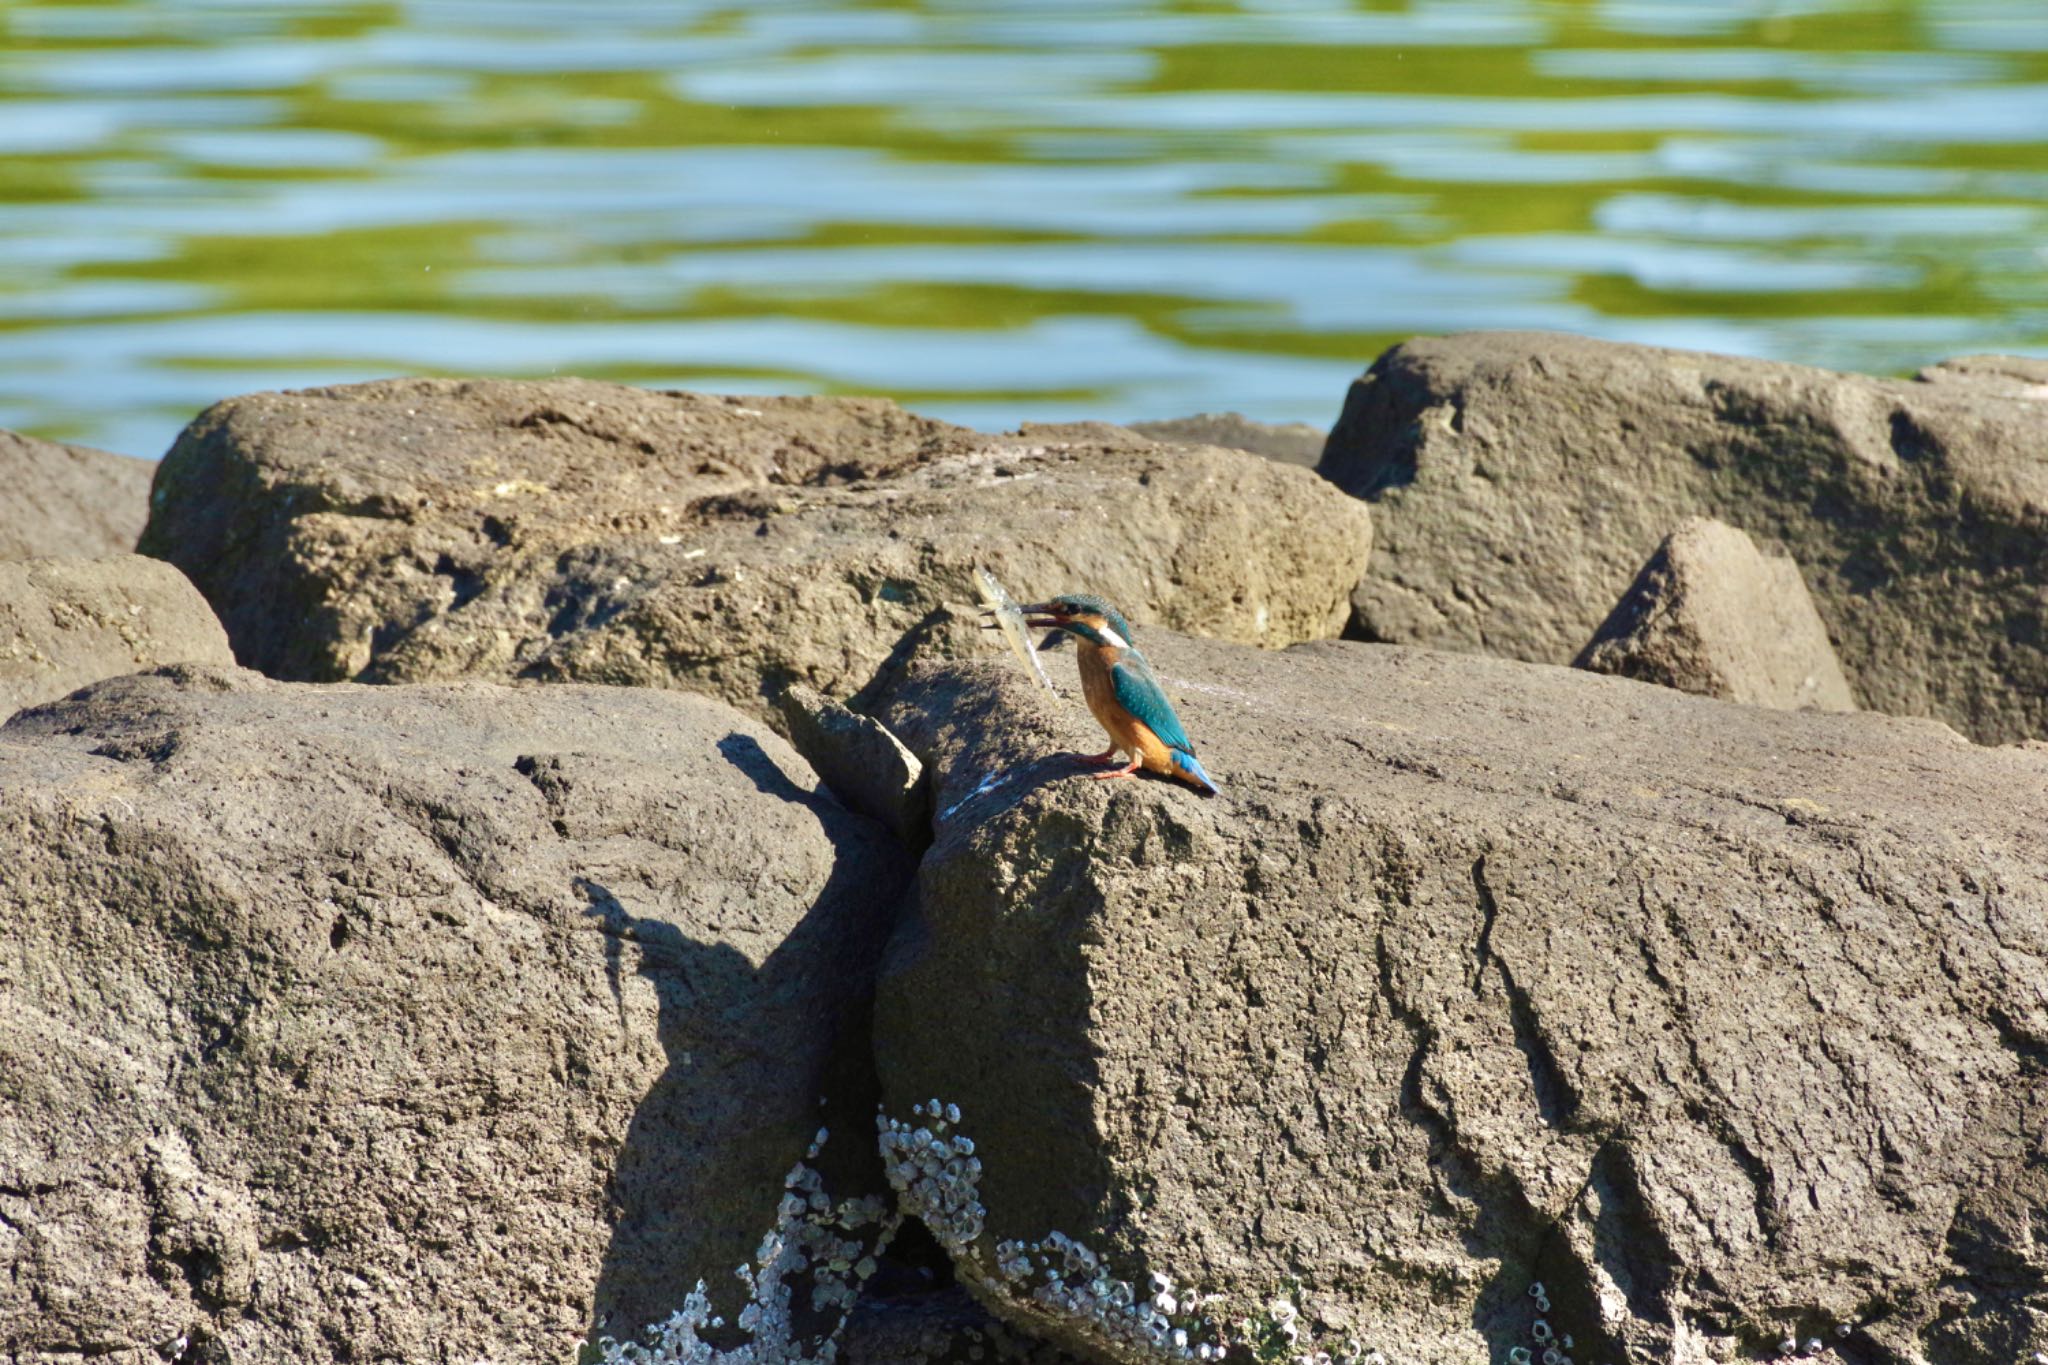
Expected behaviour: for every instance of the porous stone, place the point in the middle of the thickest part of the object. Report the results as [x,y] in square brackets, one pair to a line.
[1520,479]
[1711,614]
[68,622]
[411,1023]
[2015,375]
[1289,442]
[865,766]
[573,531]
[1723,1024]
[69,500]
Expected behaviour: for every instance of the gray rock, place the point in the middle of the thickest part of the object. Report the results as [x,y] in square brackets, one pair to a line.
[570,531]
[410,1023]
[1722,1023]
[68,622]
[69,500]
[1520,479]
[2013,375]
[1712,615]
[1289,442]
[866,767]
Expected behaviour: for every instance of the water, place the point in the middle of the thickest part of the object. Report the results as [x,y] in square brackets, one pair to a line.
[993,211]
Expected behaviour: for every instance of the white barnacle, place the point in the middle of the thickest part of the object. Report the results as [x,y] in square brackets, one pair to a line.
[1813,1346]
[1541,1330]
[1537,1291]
[1788,1346]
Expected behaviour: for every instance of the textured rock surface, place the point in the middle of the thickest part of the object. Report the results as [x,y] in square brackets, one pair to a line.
[1720,1022]
[2015,375]
[418,529]
[1711,614]
[350,1023]
[69,500]
[866,767]
[1289,442]
[68,622]
[1520,479]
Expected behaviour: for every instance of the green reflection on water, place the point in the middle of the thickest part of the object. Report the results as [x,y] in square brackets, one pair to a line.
[1289,197]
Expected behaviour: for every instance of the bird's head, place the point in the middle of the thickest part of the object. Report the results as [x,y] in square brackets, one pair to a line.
[1091,618]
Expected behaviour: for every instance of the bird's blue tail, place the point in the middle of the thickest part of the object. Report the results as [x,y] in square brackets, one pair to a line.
[1192,766]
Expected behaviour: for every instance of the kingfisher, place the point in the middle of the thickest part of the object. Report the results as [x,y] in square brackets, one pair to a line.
[1123,692]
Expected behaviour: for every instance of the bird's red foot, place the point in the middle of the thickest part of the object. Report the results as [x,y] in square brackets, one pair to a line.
[1131,771]
[1106,756]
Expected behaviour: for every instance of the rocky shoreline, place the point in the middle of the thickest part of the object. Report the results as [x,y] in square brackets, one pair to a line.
[503,854]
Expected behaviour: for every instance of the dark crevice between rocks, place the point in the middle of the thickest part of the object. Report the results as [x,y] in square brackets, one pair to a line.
[1557,1101]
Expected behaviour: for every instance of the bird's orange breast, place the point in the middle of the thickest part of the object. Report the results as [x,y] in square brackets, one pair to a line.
[1128,733]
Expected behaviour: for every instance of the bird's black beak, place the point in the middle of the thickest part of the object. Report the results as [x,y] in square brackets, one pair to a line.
[1041,615]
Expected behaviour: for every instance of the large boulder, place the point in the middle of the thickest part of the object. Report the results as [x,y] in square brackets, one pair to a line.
[68,622]
[1486,993]
[574,531]
[1519,480]
[69,500]
[1712,614]
[410,1023]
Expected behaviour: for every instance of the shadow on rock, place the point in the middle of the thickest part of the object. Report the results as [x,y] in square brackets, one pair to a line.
[708,1148]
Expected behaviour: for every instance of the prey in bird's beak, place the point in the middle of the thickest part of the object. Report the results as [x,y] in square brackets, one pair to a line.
[1038,616]
[1044,615]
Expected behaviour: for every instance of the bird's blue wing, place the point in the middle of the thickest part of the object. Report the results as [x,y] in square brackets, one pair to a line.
[1138,692]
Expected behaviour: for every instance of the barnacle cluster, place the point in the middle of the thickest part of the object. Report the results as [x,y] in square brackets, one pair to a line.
[937,1177]
[1275,1335]
[1554,1347]
[833,1244]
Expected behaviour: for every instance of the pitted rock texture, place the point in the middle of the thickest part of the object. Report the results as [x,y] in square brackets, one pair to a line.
[68,622]
[1711,614]
[69,500]
[410,1023]
[572,531]
[1520,479]
[1721,1022]
[1288,442]
[864,765]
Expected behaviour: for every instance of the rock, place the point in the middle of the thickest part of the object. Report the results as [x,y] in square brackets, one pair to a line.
[571,531]
[866,767]
[1720,1023]
[69,500]
[2013,375]
[1289,442]
[68,622]
[1518,480]
[1709,614]
[945,1327]
[410,1023]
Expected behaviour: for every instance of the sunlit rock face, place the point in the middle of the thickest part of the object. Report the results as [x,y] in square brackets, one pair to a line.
[1722,1025]
[66,622]
[347,1023]
[1711,614]
[573,531]
[68,499]
[1520,479]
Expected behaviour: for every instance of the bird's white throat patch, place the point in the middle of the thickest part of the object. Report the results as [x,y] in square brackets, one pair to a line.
[1110,639]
